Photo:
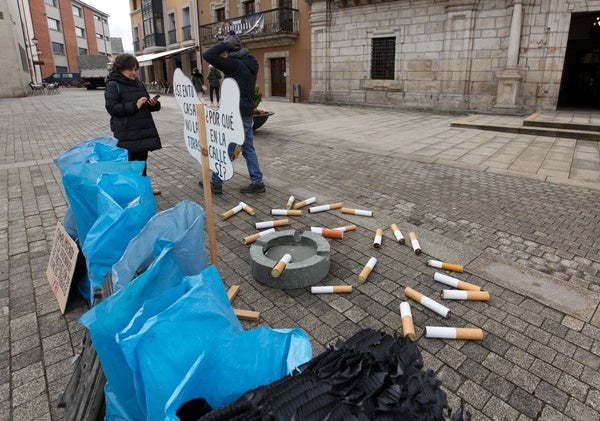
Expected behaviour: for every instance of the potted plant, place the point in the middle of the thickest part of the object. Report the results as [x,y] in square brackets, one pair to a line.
[260,116]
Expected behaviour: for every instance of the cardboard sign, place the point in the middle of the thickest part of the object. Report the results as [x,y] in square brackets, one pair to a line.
[223,125]
[61,265]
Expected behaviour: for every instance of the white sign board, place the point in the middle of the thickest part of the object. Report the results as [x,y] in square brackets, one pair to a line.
[223,125]
[61,265]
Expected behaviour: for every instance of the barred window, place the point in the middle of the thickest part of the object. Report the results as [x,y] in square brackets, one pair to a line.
[383,58]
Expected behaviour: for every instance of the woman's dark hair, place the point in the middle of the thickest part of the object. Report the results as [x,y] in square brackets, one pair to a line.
[124,62]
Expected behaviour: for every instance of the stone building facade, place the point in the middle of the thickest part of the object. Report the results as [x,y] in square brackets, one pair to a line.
[497,56]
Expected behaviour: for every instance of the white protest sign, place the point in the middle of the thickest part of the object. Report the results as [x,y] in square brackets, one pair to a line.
[186,97]
[223,125]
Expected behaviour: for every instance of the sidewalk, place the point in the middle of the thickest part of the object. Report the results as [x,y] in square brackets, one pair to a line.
[520,212]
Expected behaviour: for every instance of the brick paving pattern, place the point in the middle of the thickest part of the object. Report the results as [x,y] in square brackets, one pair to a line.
[472,193]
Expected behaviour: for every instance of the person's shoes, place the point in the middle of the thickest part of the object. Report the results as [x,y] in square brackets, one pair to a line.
[253,188]
[215,189]
[156,192]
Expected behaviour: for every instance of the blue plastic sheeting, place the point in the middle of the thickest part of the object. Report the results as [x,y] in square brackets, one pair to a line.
[181,227]
[125,204]
[164,340]
[97,149]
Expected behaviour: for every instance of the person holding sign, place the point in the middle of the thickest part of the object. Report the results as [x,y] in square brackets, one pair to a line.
[130,108]
[241,66]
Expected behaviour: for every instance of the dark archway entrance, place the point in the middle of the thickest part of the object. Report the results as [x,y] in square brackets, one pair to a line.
[580,83]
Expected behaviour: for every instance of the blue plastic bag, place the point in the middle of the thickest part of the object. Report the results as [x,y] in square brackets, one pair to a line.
[113,314]
[125,204]
[98,149]
[81,187]
[183,226]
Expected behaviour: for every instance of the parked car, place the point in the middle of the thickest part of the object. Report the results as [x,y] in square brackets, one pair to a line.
[64,79]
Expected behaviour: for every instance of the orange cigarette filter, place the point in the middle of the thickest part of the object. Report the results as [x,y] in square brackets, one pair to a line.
[469,333]
[331,233]
[249,209]
[414,242]
[364,274]
[378,237]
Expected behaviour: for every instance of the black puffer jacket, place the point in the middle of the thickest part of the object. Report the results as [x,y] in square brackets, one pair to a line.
[133,127]
[239,65]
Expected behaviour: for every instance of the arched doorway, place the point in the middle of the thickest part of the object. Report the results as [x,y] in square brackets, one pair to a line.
[580,83]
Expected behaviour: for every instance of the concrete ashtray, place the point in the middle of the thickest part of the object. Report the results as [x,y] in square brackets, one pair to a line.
[309,264]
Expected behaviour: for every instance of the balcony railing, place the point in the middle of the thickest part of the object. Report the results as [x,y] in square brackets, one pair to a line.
[264,26]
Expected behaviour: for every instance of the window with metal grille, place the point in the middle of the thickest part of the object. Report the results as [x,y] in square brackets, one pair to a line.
[383,58]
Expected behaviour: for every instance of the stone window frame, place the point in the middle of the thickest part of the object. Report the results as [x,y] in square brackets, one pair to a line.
[267,70]
[391,84]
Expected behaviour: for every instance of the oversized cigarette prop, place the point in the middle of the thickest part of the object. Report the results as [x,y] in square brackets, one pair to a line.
[427,302]
[324,208]
[364,274]
[272,224]
[397,233]
[232,211]
[360,212]
[252,238]
[346,228]
[456,283]
[414,242]
[305,202]
[286,212]
[474,334]
[248,209]
[408,328]
[377,239]
[331,289]
[446,266]
[328,233]
[290,202]
[456,294]
[280,266]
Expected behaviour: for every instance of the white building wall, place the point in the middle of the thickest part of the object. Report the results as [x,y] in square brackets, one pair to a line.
[14,60]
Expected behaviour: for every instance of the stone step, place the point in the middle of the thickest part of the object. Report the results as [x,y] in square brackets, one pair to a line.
[534,121]
[539,129]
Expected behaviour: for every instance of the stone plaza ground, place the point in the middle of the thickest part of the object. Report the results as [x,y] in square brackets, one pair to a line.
[519,211]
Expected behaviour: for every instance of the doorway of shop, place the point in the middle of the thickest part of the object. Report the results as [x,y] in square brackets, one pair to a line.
[278,76]
[580,83]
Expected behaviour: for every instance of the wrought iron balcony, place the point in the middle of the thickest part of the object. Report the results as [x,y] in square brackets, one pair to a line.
[275,27]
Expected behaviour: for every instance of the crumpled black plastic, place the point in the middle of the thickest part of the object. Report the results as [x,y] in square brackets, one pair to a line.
[371,376]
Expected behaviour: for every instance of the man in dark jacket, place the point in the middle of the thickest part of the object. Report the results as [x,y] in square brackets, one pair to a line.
[130,107]
[243,68]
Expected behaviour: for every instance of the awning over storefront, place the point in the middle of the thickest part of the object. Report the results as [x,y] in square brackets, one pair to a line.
[146,59]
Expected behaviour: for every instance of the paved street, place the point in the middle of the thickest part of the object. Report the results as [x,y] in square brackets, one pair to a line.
[520,212]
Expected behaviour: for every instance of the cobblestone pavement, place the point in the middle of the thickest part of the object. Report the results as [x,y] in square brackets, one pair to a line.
[525,225]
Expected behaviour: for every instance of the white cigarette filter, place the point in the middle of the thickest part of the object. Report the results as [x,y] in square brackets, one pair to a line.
[305,202]
[346,228]
[466,333]
[331,289]
[408,328]
[290,202]
[414,242]
[271,224]
[364,274]
[360,212]
[457,294]
[280,266]
[328,233]
[427,302]
[323,208]
[446,266]
[377,239]
[453,282]
[286,212]
[248,209]
[232,211]
[252,238]
[397,233]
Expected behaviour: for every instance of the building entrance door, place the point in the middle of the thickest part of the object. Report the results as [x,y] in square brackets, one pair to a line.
[278,84]
[580,83]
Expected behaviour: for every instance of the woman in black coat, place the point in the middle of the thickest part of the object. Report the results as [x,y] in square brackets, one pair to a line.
[130,108]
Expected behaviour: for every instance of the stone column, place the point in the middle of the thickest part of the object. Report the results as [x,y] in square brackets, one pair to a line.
[509,80]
